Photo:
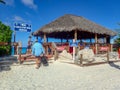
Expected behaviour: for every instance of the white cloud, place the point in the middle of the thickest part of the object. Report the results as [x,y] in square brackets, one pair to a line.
[7,23]
[9,2]
[30,3]
[27,13]
[18,18]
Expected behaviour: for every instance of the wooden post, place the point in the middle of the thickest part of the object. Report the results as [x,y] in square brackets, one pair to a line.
[55,55]
[108,39]
[108,56]
[74,40]
[15,49]
[61,40]
[96,41]
[73,50]
[47,45]
[81,59]
[44,37]
[67,40]
[20,49]
[14,36]
[73,53]
[75,35]
[19,45]
[90,41]
[14,42]
[111,46]
[47,39]
[104,39]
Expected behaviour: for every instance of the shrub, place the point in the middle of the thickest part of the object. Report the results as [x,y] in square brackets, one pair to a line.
[5,36]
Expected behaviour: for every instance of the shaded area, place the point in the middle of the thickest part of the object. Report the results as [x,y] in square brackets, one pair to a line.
[6,62]
[112,64]
[5,68]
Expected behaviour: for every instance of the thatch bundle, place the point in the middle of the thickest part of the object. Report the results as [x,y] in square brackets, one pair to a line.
[67,24]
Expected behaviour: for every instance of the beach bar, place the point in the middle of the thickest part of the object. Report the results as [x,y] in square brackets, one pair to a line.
[76,27]
[72,27]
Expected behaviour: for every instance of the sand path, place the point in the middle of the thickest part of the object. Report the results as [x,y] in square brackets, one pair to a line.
[61,76]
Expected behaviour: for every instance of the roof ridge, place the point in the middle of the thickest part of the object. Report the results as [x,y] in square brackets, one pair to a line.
[70,16]
[70,22]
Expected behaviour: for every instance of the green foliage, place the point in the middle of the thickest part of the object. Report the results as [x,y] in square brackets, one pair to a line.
[117,40]
[5,36]
[115,49]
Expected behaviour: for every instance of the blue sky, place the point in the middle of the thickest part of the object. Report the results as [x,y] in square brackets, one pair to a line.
[40,12]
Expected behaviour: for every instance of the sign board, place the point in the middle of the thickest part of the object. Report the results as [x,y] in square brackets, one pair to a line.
[74,44]
[22,27]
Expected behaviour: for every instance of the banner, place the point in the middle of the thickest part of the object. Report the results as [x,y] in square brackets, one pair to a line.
[22,27]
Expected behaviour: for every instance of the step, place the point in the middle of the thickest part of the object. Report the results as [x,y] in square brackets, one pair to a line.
[5,68]
[8,60]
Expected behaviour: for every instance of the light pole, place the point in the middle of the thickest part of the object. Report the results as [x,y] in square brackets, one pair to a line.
[14,36]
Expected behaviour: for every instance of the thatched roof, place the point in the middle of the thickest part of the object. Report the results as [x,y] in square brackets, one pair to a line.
[69,23]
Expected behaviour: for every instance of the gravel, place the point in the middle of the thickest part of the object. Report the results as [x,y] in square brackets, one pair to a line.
[61,76]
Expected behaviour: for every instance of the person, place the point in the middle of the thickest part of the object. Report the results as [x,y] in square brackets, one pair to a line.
[38,52]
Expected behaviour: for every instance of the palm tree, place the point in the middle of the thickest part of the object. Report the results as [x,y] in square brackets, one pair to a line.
[2,1]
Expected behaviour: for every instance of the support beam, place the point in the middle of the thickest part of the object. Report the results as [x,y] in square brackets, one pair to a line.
[45,39]
[104,39]
[75,35]
[90,40]
[96,41]
[108,39]
[111,45]
[108,56]
[61,41]
[74,40]
[81,59]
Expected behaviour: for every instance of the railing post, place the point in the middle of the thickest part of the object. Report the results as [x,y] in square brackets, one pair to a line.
[108,56]
[55,55]
[20,61]
[111,46]
[81,59]
[96,43]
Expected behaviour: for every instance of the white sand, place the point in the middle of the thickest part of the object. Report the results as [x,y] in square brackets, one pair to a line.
[61,76]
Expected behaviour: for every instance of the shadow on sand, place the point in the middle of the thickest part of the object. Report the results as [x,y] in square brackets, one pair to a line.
[5,68]
[6,62]
[112,64]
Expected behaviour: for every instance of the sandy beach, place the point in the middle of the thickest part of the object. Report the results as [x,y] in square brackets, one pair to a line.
[61,76]
[79,38]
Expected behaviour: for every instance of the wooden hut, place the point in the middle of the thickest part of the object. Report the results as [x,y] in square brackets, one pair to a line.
[74,27]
